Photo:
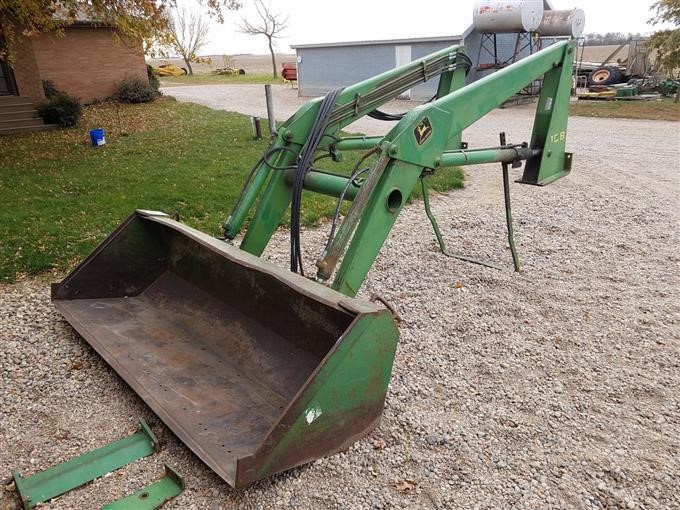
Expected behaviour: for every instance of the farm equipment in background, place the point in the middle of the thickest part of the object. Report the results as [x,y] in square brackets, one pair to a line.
[289,72]
[631,78]
[258,368]
[669,87]
[636,65]
[169,70]
[228,71]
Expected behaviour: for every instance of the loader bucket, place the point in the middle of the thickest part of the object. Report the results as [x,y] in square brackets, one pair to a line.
[256,369]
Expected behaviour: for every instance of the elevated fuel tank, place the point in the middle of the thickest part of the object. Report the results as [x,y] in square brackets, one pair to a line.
[507,17]
[568,23]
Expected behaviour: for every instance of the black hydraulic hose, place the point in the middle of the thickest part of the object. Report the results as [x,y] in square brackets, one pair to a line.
[303,166]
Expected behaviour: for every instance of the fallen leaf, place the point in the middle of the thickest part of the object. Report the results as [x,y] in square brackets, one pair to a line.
[405,486]
[379,444]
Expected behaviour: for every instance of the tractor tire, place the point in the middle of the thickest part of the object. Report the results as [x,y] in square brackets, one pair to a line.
[605,75]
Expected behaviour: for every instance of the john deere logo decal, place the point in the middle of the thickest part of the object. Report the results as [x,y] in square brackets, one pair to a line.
[423,131]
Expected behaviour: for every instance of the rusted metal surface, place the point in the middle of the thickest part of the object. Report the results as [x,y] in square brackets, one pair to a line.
[507,16]
[567,23]
[223,346]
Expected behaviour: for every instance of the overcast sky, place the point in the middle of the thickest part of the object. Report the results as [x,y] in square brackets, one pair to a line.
[314,21]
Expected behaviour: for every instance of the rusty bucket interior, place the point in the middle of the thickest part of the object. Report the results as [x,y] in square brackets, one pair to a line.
[224,347]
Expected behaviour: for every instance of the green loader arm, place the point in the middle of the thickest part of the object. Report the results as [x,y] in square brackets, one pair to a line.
[425,140]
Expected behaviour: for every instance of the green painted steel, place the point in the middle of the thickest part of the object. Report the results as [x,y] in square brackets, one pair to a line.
[451,114]
[359,143]
[378,217]
[426,139]
[252,190]
[52,482]
[153,496]
[438,233]
[450,82]
[350,344]
[550,124]
[508,208]
[419,140]
[354,102]
[329,184]
[482,156]
[353,378]
[627,91]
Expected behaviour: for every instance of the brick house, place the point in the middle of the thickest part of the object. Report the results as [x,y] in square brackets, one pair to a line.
[85,61]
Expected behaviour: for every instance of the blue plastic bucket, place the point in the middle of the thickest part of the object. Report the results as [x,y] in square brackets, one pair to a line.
[97,137]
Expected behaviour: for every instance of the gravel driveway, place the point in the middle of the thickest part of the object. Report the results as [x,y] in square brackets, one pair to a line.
[558,387]
[250,100]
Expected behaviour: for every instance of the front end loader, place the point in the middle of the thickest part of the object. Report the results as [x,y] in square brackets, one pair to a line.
[259,368]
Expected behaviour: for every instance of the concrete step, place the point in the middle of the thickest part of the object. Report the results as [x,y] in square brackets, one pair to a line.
[26,129]
[31,121]
[16,107]
[7,100]
[21,114]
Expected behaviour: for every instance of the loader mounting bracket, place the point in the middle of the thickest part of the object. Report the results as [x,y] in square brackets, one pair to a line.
[73,473]
[153,496]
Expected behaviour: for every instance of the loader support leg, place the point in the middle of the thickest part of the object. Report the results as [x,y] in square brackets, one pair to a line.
[550,126]
[440,238]
[508,217]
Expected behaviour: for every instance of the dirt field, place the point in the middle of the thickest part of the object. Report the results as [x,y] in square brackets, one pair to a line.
[253,64]
[599,53]
[260,64]
[557,387]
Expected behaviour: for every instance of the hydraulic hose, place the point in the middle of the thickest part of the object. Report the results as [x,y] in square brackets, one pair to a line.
[303,166]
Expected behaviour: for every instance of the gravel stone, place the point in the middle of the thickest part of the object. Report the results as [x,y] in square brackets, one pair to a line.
[517,393]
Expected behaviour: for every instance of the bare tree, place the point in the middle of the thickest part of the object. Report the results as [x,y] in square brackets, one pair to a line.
[188,34]
[269,24]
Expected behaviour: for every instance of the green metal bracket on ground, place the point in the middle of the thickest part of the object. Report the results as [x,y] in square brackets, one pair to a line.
[73,473]
[153,496]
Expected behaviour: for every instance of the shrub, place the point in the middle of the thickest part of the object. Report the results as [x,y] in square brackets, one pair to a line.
[62,109]
[153,79]
[49,89]
[135,90]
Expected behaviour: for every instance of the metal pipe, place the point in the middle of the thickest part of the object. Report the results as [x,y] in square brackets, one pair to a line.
[326,184]
[358,143]
[481,156]
[270,109]
[257,128]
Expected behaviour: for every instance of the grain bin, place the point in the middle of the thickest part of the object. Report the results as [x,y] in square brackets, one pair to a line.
[507,17]
[569,23]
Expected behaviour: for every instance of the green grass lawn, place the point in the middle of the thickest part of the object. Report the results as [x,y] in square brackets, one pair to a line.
[212,79]
[60,197]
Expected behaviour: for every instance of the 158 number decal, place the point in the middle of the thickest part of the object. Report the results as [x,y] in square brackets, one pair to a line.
[558,137]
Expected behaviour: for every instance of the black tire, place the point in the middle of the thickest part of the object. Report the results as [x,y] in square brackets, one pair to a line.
[605,75]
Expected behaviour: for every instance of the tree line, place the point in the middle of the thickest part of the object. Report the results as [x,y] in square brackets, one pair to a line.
[609,39]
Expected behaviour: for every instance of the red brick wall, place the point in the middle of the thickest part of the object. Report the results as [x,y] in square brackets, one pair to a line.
[25,68]
[87,61]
